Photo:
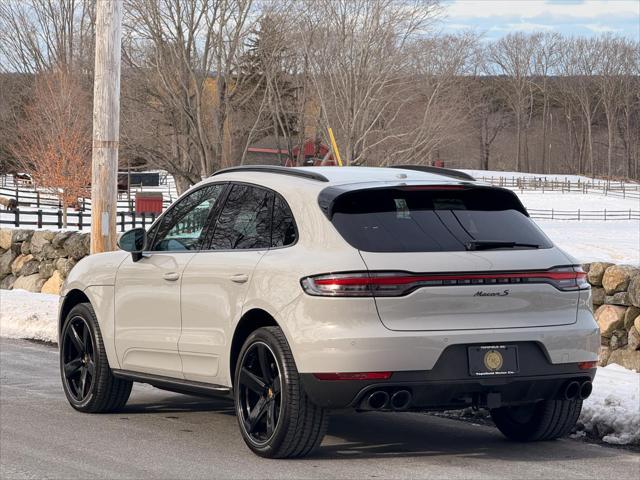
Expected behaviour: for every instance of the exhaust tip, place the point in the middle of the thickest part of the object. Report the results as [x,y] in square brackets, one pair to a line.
[400,400]
[585,390]
[376,400]
[572,391]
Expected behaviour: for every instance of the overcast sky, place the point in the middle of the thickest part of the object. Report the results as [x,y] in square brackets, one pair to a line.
[570,17]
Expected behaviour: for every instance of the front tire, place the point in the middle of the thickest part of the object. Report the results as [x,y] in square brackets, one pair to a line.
[87,380]
[546,420]
[276,418]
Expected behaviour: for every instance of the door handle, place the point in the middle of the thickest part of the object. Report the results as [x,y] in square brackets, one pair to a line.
[171,276]
[239,278]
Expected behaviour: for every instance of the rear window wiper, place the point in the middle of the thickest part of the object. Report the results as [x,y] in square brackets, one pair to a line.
[490,244]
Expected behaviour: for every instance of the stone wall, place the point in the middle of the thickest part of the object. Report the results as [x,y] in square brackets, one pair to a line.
[39,260]
[616,303]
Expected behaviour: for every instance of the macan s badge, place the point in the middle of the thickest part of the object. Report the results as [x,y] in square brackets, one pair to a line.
[503,293]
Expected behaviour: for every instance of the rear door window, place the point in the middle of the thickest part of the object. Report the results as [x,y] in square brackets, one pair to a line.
[245,220]
[283,230]
[423,219]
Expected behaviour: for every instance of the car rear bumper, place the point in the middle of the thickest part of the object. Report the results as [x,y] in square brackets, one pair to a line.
[449,385]
[359,342]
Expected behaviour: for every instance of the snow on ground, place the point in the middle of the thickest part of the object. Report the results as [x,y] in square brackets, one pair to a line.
[615,241]
[612,413]
[536,199]
[557,177]
[28,315]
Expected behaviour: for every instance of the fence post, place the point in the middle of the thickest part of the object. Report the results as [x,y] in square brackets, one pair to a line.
[629,214]
[39,218]
[16,217]
[17,196]
[605,214]
[133,219]
[59,218]
[80,220]
[552,214]
[122,221]
[38,199]
[144,219]
[578,214]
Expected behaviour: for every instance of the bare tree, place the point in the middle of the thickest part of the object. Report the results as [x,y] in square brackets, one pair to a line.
[547,56]
[54,141]
[40,35]
[578,66]
[629,119]
[512,58]
[612,54]
[358,65]
[188,51]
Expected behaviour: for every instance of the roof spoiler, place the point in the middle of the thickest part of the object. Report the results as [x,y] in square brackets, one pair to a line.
[447,172]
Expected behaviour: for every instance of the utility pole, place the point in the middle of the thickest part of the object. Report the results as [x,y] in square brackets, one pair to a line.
[106,125]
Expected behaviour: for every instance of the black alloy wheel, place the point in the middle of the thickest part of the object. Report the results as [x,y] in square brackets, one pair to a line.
[276,417]
[260,393]
[87,379]
[78,359]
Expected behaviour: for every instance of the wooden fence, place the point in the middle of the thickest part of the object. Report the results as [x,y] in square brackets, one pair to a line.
[33,198]
[579,214]
[542,184]
[38,218]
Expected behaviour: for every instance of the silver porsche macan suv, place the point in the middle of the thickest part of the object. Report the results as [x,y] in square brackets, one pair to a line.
[301,291]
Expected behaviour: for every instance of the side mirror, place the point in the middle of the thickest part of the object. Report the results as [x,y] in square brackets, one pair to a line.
[134,241]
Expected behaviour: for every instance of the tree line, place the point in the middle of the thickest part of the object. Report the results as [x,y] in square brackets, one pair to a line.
[203,80]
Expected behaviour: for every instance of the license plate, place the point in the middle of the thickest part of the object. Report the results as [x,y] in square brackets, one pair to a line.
[493,360]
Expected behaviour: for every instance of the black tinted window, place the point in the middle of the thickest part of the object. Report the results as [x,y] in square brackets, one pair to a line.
[245,220]
[182,226]
[283,230]
[421,220]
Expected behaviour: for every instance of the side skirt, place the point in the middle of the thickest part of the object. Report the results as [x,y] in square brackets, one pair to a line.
[186,387]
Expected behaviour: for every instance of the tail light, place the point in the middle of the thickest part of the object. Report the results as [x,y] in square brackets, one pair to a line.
[397,284]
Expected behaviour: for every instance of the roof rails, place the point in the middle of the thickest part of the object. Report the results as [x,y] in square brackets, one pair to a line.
[292,171]
[448,172]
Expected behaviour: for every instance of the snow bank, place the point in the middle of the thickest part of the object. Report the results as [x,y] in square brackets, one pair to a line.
[612,412]
[596,241]
[28,315]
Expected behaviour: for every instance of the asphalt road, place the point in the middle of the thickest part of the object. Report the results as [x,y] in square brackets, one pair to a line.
[165,435]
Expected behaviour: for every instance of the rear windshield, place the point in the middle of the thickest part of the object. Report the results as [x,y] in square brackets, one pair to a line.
[415,219]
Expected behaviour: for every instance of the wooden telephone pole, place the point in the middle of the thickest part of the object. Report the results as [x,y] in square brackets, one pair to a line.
[106,125]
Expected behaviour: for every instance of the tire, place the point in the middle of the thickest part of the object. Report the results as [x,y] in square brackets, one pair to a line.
[546,420]
[293,425]
[100,392]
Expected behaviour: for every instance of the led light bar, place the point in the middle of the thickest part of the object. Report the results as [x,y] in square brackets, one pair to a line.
[396,284]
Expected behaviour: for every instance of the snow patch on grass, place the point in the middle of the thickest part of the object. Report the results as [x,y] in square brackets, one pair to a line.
[28,315]
[612,412]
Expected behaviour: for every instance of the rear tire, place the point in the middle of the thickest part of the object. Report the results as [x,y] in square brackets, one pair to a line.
[546,420]
[87,380]
[266,378]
